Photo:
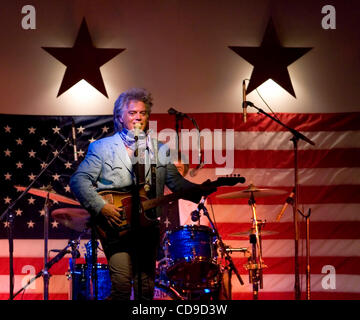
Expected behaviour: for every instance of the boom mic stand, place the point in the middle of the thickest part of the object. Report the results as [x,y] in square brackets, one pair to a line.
[10,218]
[295,139]
[75,253]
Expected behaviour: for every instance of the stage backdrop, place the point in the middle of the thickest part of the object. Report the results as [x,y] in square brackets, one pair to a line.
[179,51]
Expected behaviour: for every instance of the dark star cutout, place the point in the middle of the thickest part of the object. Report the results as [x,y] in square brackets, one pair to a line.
[270,60]
[83,61]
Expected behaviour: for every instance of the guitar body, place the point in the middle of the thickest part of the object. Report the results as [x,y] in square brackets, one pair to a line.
[147,216]
[122,200]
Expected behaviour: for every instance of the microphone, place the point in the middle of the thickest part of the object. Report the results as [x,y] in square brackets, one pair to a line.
[74,139]
[289,200]
[137,130]
[195,215]
[244,104]
[172,111]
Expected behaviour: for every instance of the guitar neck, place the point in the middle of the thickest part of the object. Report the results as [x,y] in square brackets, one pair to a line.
[152,203]
[225,181]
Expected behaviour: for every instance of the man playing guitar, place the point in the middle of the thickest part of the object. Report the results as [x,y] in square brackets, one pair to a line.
[114,183]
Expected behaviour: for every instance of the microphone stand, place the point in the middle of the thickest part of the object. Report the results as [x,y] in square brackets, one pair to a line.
[296,137]
[223,247]
[308,286]
[48,265]
[10,219]
[136,208]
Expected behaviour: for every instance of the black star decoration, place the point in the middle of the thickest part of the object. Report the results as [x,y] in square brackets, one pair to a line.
[270,60]
[83,61]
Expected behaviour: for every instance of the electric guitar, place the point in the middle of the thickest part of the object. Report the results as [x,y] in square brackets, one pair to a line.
[147,216]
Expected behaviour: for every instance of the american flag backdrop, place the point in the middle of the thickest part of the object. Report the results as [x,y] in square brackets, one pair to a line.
[329,186]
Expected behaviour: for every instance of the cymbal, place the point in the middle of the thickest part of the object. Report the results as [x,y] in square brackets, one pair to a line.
[52,195]
[247,233]
[257,192]
[73,218]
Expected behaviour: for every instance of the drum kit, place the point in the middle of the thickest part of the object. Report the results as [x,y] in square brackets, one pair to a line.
[197,265]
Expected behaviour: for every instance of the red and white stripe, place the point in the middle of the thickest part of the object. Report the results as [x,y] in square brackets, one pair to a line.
[329,185]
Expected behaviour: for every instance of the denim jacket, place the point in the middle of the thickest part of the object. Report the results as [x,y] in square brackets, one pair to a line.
[107,166]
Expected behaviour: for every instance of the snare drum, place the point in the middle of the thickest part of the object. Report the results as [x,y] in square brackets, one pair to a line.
[192,255]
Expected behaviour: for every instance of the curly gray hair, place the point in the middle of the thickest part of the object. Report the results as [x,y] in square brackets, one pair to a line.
[137,94]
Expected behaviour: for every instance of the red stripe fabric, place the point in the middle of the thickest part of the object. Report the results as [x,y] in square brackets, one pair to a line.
[284,159]
[257,122]
[285,230]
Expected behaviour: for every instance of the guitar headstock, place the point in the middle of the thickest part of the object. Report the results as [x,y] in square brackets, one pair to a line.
[230,180]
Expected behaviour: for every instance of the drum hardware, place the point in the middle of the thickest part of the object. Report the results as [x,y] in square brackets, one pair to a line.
[230,267]
[49,194]
[46,275]
[85,284]
[255,262]
[81,284]
[231,250]
[190,263]
[91,280]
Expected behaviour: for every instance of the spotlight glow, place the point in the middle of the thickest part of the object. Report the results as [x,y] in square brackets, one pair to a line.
[271,89]
[83,92]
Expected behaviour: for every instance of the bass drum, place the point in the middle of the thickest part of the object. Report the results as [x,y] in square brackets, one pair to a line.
[82,287]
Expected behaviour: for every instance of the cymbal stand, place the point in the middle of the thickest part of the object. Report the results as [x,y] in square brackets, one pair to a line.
[46,275]
[223,247]
[255,261]
[72,243]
